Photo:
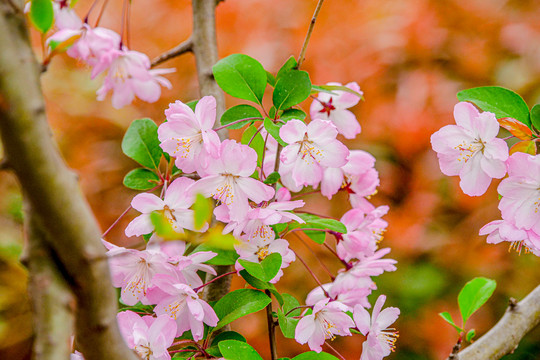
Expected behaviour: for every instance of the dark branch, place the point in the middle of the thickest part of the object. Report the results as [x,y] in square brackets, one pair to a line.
[185,47]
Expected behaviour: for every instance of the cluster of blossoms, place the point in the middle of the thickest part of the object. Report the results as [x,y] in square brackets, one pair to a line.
[472,150]
[127,72]
[166,274]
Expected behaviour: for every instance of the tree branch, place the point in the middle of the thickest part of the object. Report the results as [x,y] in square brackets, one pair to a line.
[505,336]
[54,194]
[302,55]
[53,303]
[182,48]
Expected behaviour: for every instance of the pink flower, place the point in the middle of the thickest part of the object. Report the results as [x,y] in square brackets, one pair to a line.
[350,296]
[174,207]
[183,305]
[364,232]
[134,270]
[129,75]
[358,177]
[327,320]
[256,249]
[334,108]
[76,356]
[148,336]
[373,265]
[311,148]
[471,149]
[502,230]
[228,179]
[520,202]
[64,16]
[188,135]
[380,339]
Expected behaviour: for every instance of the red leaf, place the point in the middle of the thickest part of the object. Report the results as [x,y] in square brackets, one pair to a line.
[516,128]
[528,147]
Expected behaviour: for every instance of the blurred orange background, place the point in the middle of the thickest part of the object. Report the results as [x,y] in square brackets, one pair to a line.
[410,57]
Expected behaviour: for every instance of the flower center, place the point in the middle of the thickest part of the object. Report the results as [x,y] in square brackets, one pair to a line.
[389,336]
[176,306]
[466,151]
[143,351]
[327,107]
[262,253]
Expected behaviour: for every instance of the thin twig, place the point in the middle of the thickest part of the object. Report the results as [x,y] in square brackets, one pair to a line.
[214,279]
[182,48]
[115,222]
[335,351]
[302,55]
[236,122]
[312,274]
[271,328]
[316,257]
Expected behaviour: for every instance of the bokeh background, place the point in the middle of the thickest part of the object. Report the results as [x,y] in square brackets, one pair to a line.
[410,57]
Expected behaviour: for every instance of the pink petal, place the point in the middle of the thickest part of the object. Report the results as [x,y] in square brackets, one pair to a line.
[293,131]
[346,123]
[146,203]
[205,112]
[464,112]
[141,225]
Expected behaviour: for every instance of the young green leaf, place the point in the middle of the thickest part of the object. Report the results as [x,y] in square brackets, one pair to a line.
[257,142]
[292,88]
[287,324]
[535,116]
[203,211]
[470,335]
[291,114]
[141,179]
[266,270]
[318,236]
[141,143]
[238,350]
[312,355]
[42,14]
[239,112]
[448,318]
[290,64]
[223,257]
[272,178]
[273,129]
[332,88]
[500,101]
[270,79]
[473,295]
[239,303]
[314,221]
[228,335]
[261,285]
[241,76]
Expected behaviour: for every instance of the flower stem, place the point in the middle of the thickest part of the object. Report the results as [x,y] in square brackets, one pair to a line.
[214,279]
[271,328]
[312,274]
[236,122]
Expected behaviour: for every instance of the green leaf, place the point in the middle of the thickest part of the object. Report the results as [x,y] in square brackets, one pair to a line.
[470,335]
[141,179]
[289,303]
[266,270]
[272,178]
[239,112]
[270,79]
[203,211]
[273,129]
[500,101]
[332,88]
[192,104]
[141,143]
[223,257]
[287,324]
[290,64]
[314,221]
[241,76]
[258,284]
[42,14]
[228,335]
[318,236]
[291,114]
[448,318]
[292,88]
[312,355]
[239,303]
[256,144]
[535,116]
[163,227]
[473,295]
[238,350]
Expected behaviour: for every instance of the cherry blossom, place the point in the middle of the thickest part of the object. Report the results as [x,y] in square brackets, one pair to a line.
[502,230]
[148,336]
[327,320]
[334,108]
[471,149]
[174,207]
[188,135]
[380,339]
[311,148]
[347,295]
[228,179]
[181,303]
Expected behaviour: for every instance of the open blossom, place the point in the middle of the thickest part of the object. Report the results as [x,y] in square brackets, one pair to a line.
[334,108]
[327,320]
[129,75]
[311,148]
[148,336]
[133,271]
[188,135]
[174,207]
[471,149]
[364,231]
[519,239]
[520,202]
[181,303]
[348,296]
[256,249]
[228,179]
[380,339]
